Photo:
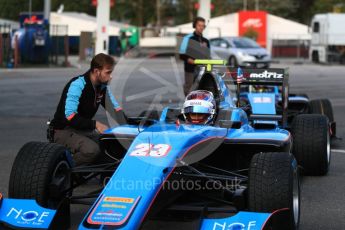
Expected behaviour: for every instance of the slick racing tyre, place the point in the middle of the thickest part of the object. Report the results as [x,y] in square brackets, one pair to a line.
[311,143]
[41,171]
[274,185]
[322,106]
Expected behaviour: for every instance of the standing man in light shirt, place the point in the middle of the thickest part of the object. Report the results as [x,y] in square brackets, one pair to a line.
[194,46]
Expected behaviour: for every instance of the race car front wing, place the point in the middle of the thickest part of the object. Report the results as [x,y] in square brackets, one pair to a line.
[27,214]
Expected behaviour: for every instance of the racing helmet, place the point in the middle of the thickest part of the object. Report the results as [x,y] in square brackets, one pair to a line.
[199,107]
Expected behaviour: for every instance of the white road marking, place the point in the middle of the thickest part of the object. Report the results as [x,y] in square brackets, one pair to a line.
[338,150]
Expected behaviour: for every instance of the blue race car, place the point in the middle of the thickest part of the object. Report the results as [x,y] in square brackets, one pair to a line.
[237,172]
[298,103]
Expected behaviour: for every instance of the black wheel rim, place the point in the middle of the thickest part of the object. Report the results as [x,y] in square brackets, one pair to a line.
[62,178]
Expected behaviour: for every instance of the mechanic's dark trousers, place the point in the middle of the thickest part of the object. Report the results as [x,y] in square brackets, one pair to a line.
[84,145]
[188,82]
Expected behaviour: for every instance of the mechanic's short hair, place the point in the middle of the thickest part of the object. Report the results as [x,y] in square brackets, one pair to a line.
[198,19]
[101,60]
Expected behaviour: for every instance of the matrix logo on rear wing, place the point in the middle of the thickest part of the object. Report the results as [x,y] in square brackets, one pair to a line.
[259,76]
[267,75]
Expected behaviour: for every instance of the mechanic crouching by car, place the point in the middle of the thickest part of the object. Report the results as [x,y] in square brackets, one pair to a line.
[193,46]
[73,125]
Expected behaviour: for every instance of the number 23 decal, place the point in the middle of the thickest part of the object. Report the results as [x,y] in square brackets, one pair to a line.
[150,150]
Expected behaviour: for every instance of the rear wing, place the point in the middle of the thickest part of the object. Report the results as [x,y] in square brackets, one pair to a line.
[271,77]
[246,76]
[275,77]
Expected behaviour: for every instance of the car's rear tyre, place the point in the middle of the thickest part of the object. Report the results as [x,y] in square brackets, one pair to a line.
[311,143]
[233,61]
[274,184]
[322,106]
[41,171]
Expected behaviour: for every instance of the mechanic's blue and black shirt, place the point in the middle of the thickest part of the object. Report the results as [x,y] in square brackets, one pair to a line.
[196,47]
[79,103]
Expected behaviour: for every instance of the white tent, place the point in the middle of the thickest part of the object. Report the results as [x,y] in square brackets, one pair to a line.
[227,25]
[78,22]
[281,28]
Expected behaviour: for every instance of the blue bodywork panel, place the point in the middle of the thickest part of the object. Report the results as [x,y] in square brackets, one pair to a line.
[262,103]
[147,164]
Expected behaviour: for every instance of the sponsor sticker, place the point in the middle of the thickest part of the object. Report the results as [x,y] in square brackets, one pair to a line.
[118,199]
[266,75]
[25,214]
[262,100]
[114,206]
[195,103]
[112,210]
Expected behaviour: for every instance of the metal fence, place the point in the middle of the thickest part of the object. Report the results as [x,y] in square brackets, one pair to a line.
[26,47]
[290,49]
[6,54]
[59,49]
[293,46]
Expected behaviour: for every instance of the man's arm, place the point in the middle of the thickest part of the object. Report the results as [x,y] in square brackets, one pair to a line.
[71,106]
[183,50]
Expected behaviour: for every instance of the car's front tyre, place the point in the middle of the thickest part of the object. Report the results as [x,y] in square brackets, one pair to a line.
[274,185]
[41,171]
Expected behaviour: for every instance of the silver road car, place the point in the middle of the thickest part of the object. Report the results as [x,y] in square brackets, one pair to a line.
[240,51]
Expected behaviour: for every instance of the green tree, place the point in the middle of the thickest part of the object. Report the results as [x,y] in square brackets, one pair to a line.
[138,12]
[222,7]
[308,8]
[10,9]
[76,6]
[327,6]
[143,12]
[303,12]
